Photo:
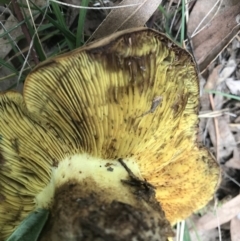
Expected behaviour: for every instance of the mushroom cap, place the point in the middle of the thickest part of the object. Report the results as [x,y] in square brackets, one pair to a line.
[134,94]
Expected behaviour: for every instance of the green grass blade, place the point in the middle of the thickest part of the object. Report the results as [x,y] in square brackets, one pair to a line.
[37,46]
[81,22]
[31,226]
[7,65]
[230,96]
[67,34]
[186,235]
[182,23]
[61,21]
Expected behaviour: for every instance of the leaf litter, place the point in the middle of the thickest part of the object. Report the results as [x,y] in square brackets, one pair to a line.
[223,138]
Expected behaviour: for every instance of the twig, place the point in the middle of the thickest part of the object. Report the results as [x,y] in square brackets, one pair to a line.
[20,18]
[216,125]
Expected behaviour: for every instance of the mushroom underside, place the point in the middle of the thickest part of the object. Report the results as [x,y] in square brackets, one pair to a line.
[133,96]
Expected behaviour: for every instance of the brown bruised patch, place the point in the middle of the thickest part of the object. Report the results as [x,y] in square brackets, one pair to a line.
[15,144]
[2,160]
[2,198]
[179,104]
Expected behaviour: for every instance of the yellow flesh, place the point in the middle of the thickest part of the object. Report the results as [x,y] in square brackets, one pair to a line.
[105,174]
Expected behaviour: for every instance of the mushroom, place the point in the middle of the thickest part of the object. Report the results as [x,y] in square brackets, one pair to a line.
[105,138]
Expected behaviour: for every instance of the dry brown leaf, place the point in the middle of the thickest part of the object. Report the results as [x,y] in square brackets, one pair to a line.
[201,15]
[212,80]
[5,85]
[8,23]
[200,235]
[223,214]
[234,162]
[9,28]
[206,235]
[227,71]
[10,31]
[220,73]
[124,18]
[217,34]
[226,143]
[235,228]
[233,85]
[204,12]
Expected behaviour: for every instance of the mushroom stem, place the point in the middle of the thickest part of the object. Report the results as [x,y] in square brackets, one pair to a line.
[109,202]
